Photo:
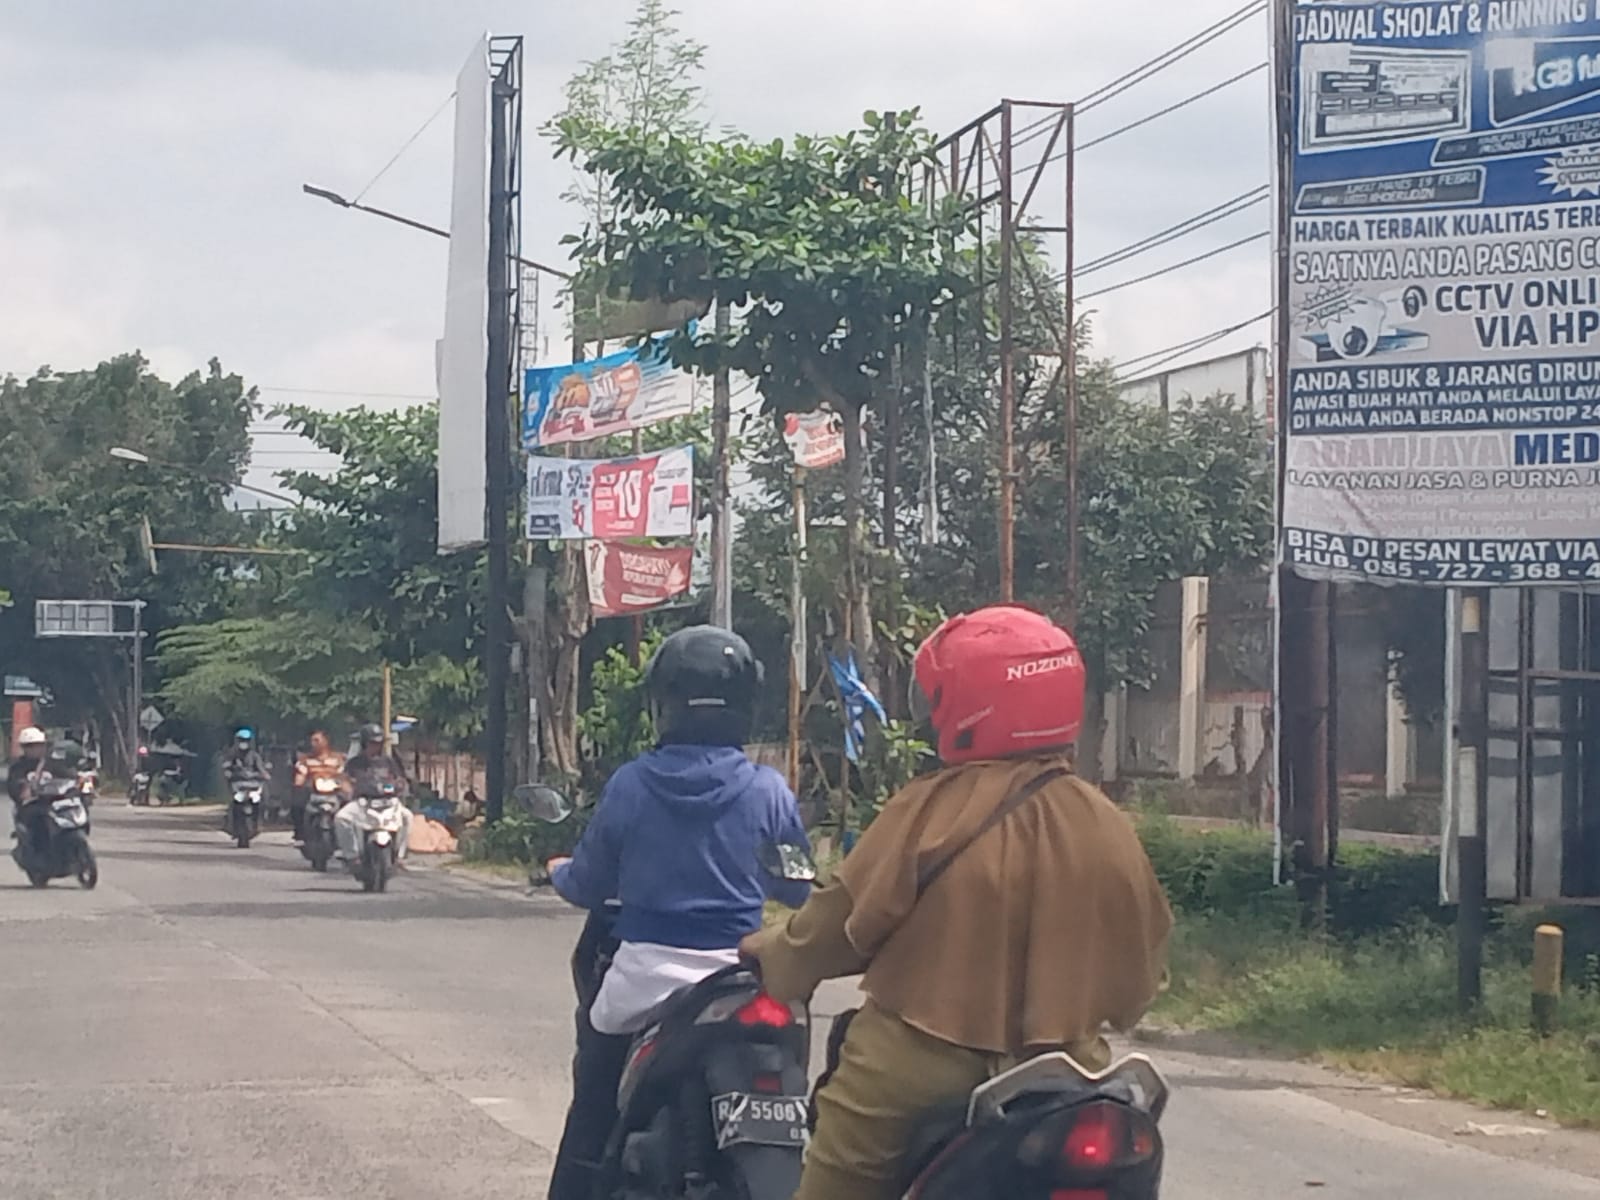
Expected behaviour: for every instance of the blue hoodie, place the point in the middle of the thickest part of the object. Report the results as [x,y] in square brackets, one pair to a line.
[676,839]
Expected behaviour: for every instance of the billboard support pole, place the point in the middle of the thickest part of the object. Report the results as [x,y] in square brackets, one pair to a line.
[137,689]
[504,101]
[721,516]
[1472,797]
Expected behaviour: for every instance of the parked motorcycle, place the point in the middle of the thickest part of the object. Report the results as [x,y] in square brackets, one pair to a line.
[139,793]
[713,1099]
[322,805]
[65,836]
[244,810]
[378,822]
[88,785]
[1048,1128]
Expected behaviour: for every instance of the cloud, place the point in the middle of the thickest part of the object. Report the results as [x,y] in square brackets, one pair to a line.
[152,197]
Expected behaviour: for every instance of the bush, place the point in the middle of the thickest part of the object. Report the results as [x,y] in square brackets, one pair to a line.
[521,839]
[1228,872]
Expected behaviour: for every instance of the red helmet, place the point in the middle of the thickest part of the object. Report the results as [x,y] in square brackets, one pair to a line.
[999,682]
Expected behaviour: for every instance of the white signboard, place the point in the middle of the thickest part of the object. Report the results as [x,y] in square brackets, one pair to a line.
[649,495]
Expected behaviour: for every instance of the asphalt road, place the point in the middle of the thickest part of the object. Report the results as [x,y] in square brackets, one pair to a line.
[220,1023]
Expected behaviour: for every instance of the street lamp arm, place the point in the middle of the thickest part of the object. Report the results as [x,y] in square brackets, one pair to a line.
[333,197]
[134,456]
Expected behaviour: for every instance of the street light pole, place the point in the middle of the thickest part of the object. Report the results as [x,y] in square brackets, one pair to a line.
[333,197]
[134,456]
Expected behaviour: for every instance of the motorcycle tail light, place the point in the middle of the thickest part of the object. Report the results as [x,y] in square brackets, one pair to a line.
[767,1012]
[1078,1194]
[1106,1136]
[768,1084]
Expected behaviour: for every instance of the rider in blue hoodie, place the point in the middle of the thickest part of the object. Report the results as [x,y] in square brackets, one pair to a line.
[676,841]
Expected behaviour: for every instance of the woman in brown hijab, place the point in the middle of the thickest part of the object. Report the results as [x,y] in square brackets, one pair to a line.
[999,908]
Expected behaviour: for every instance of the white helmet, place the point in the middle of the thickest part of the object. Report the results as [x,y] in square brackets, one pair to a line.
[32,736]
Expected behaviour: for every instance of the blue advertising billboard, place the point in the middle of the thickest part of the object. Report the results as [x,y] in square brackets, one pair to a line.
[1441,405]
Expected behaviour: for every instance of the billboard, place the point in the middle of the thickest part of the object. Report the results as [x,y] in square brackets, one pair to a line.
[816,439]
[1441,406]
[462,355]
[624,580]
[648,495]
[615,394]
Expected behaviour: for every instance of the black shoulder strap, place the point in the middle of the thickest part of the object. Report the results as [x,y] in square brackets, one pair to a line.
[931,872]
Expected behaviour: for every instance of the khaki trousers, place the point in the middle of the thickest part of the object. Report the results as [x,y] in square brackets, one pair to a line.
[890,1074]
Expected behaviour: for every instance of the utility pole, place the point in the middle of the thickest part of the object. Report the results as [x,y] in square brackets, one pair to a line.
[1472,797]
[135,732]
[1008,378]
[721,512]
[1070,370]
[497,440]
[798,656]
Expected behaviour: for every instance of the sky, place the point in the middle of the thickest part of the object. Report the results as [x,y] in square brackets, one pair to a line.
[152,154]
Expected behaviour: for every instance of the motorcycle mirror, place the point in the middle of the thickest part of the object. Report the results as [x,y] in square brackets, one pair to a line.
[784,860]
[542,803]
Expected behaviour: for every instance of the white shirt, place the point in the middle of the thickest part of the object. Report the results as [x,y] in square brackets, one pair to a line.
[642,975]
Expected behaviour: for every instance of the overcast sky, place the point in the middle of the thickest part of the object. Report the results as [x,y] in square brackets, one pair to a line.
[152,152]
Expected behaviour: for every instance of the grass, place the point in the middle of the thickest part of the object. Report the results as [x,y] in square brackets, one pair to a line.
[1385,1005]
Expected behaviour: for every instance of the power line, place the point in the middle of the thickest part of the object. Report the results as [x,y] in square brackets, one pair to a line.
[1188,262]
[1172,108]
[1167,353]
[1168,58]
[300,391]
[1210,216]
[410,141]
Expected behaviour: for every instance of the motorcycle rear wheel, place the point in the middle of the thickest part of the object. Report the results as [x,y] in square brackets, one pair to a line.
[88,869]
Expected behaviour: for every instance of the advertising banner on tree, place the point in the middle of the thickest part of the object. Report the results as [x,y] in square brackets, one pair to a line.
[575,499]
[816,439]
[1442,399]
[615,394]
[633,579]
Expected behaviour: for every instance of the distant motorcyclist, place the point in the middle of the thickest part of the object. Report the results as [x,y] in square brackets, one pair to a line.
[371,763]
[323,762]
[22,779]
[243,762]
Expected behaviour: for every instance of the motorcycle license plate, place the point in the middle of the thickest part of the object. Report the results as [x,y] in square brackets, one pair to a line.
[741,1119]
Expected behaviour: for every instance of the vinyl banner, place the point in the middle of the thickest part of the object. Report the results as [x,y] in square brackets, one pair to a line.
[575,499]
[1442,400]
[621,392]
[633,579]
[816,439]
[462,355]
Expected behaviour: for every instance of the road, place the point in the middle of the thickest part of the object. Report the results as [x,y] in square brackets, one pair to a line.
[220,1023]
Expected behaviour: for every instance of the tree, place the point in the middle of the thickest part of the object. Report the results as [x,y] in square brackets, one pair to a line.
[648,83]
[70,515]
[809,240]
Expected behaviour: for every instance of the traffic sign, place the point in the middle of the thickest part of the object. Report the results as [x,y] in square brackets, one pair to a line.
[151,718]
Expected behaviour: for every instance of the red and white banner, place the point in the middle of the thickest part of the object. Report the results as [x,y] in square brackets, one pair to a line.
[633,579]
[816,439]
[576,499]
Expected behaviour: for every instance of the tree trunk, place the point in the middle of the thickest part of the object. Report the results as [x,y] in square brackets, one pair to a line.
[569,622]
[858,594]
[1092,737]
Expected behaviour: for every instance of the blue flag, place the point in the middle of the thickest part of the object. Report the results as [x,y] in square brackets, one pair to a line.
[858,702]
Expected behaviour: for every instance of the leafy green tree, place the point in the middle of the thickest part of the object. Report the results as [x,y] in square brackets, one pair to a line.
[70,515]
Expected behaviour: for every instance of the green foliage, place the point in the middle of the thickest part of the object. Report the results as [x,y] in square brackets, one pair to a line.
[617,723]
[522,839]
[70,515]
[895,755]
[1228,873]
[371,535]
[810,236]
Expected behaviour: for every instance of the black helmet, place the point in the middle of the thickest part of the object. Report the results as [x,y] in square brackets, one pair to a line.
[702,685]
[370,734]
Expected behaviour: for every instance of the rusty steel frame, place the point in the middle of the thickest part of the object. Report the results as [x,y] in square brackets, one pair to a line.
[1004,143]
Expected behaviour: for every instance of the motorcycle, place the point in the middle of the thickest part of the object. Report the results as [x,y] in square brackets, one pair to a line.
[244,811]
[88,786]
[322,805]
[713,1099]
[139,793]
[378,821]
[65,831]
[1048,1128]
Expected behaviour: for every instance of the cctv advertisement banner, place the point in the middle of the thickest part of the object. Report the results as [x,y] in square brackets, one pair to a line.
[1442,400]
[578,499]
[618,393]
